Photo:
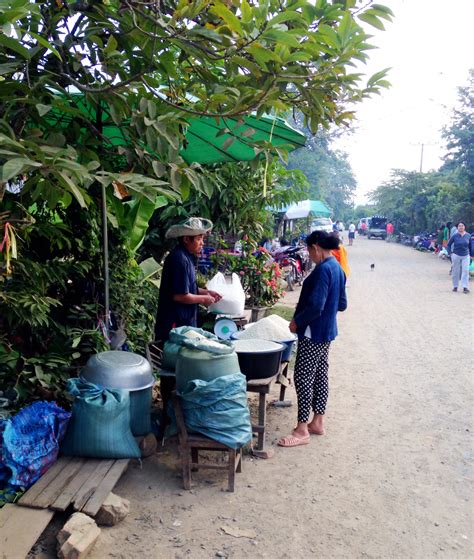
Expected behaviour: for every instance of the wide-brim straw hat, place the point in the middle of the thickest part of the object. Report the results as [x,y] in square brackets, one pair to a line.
[190,228]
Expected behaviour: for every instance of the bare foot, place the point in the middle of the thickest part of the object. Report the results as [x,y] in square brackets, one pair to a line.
[314,431]
[316,427]
[300,433]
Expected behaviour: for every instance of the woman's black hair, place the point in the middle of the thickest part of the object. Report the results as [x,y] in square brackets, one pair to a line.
[463,222]
[327,241]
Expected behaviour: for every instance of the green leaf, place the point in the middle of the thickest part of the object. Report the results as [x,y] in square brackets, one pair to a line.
[149,267]
[43,109]
[246,11]
[384,11]
[111,45]
[286,16]
[14,45]
[161,202]
[14,167]
[263,55]
[282,37]
[372,20]
[75,190]
[9,68]
[151,109]
[43,42]
[169,63]
[140,211]
[230,19]
[159,168]
[375,78]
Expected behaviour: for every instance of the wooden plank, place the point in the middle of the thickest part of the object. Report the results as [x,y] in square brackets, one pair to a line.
[75,484]
[113,475]
[20,527]
[84,494]
[54,489]
[30,496]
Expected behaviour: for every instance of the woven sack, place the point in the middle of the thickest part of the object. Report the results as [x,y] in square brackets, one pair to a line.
[100,423]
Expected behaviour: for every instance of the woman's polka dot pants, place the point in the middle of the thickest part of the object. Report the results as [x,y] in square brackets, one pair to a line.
[311,378]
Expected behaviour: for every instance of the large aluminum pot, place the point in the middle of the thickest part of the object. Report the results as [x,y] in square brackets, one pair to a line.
[119,369]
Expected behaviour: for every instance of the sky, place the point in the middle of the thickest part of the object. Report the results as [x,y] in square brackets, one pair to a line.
[429,47]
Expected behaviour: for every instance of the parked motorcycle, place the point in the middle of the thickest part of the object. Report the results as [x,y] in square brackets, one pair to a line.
[425,242]
[404,239]
[294,263]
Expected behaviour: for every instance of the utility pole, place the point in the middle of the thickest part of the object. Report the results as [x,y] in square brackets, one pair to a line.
[423,144]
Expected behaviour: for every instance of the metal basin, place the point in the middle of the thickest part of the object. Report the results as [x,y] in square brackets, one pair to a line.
[259,362]
[119,369]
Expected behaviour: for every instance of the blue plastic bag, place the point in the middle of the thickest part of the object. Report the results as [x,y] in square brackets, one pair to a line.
[29,442]
[218,409]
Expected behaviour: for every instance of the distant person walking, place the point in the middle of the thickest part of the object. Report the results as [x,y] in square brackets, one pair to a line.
[340,229]
[446,233]
[389,231]
[460,249]
[352,229]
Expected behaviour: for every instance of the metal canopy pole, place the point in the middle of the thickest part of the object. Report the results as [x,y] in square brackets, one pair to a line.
[105,242]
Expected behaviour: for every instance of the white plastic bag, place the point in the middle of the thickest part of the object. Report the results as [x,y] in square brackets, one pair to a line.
[233,295]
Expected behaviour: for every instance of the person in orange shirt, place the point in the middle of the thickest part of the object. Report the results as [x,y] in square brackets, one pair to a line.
[340,254]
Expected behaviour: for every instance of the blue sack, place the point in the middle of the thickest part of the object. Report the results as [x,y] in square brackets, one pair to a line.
[218,409]
[29,442]
[100,423]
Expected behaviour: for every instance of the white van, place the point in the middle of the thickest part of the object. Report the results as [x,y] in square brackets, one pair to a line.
[322,224]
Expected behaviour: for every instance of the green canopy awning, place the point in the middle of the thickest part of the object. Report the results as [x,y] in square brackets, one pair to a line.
[207,139]
[304,208]
[210,140]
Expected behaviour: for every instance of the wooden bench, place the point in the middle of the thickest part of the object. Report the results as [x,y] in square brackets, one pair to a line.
[78,482]
[190,445]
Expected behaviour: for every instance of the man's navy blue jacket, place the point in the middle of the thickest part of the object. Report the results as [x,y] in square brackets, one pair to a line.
[323,294]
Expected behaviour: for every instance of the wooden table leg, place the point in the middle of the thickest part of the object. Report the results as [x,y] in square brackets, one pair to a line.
[261,451]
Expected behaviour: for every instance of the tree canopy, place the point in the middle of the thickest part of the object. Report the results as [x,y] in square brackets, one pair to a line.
[156,63]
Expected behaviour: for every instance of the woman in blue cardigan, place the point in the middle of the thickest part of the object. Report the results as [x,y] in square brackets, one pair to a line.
[323,294]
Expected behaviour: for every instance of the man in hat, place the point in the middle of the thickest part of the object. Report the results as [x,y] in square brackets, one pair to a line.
[179,293]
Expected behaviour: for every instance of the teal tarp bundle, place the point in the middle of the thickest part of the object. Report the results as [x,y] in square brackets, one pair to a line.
[218,409]
[100,423]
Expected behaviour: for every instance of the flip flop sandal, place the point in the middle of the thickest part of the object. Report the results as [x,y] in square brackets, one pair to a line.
[291,440]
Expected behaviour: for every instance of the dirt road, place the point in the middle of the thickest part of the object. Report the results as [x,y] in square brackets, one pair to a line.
[391,478]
